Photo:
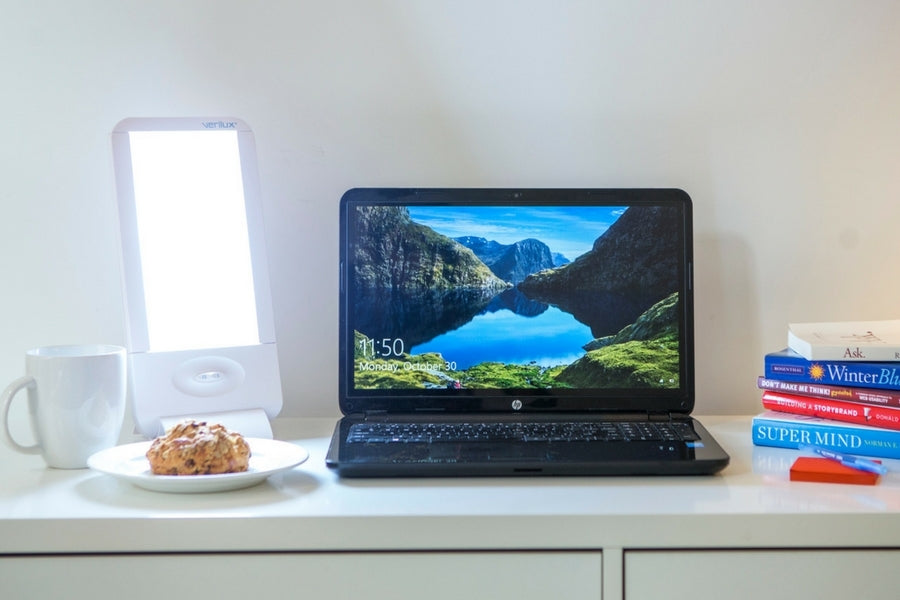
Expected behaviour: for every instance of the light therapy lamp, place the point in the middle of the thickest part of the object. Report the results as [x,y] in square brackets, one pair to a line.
[201,333]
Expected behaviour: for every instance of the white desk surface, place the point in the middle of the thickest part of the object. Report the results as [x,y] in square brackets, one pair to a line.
[752,504]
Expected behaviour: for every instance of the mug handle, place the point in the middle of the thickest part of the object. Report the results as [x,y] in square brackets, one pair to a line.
[10,391]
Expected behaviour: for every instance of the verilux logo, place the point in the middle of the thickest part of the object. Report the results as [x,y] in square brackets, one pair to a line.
[219,125]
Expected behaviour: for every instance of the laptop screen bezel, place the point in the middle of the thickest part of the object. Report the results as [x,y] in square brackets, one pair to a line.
[680,400]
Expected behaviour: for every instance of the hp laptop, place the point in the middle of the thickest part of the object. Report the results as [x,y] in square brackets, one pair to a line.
[517,332]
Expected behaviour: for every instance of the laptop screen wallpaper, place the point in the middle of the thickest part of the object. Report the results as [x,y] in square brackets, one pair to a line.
[444,297]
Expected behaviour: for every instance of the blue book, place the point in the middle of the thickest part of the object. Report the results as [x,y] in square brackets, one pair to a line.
[787,365]
[783,430]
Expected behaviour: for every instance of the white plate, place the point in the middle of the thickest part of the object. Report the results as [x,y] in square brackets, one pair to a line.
[129,463]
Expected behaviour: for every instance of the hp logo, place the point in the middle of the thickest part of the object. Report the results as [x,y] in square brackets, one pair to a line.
[517,404]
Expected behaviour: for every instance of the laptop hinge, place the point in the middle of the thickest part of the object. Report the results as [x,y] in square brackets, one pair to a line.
[659,416]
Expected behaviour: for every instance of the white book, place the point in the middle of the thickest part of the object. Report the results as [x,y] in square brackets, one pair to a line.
[868,341]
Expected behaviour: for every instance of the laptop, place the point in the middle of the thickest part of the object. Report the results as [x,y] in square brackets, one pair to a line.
[490,332]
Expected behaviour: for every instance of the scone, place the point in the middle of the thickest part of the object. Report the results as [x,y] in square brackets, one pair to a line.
[196,448]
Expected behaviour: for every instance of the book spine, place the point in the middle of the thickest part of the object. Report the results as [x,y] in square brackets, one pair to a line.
[834,392]
[874,416]
[777,433]
[786,367]
[847,352]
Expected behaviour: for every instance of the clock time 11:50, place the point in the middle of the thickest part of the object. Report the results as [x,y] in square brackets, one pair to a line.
[385,347]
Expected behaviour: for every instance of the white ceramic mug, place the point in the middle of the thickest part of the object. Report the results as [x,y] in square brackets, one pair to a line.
[76,402]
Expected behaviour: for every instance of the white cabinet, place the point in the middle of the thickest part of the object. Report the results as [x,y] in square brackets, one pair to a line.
[304,534]
[394,575]
[746,574]
[519,575]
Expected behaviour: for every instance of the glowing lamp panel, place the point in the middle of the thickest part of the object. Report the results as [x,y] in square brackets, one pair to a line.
[194,245]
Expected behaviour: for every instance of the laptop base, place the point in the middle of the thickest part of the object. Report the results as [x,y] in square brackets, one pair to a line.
[350,456]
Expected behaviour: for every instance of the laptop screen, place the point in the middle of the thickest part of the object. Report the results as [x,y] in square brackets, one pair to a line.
[516,300]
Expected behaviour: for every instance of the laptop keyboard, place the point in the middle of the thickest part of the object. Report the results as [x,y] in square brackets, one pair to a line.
[563,431]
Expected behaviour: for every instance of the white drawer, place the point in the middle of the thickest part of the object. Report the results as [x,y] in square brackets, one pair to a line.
[355,576]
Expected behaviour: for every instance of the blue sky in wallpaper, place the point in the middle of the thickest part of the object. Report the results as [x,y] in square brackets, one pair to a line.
[571,230]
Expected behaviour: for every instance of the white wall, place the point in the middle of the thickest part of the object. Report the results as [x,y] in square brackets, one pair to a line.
[780,118]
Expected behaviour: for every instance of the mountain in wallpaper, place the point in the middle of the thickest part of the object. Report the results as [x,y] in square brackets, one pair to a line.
[512,262]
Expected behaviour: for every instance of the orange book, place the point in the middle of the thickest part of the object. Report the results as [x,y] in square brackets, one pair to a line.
[825,470]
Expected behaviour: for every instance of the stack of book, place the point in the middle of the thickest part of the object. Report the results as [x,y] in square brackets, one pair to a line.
[836,386]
